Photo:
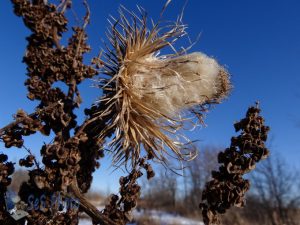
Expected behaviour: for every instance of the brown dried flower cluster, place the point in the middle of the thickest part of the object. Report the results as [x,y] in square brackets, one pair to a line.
[47,63]
[6,170]
[119,208]
[25,125]
[44,212]
[228,187]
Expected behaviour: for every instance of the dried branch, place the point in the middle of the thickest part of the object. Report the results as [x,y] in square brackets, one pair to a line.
[89,208]
[32,116]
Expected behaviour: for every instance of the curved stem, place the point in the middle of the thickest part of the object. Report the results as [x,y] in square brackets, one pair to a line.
[89,208]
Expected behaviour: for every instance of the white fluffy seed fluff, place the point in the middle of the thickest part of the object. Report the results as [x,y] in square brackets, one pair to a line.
[173,84]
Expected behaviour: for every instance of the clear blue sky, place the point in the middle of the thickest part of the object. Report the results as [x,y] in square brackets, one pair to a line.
[258,41]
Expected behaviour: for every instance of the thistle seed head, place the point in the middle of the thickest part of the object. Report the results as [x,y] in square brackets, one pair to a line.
[148,97]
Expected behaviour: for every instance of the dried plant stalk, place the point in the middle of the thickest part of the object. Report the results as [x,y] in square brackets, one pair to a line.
[148,97]
[228,187]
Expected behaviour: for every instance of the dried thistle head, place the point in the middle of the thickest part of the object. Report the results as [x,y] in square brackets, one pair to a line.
[149,97]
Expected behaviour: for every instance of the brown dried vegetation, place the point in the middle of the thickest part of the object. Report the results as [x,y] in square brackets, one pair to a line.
[228,187]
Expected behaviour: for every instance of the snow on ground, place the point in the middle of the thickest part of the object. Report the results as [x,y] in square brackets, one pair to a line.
[85,222]
[162,217]
[166,218]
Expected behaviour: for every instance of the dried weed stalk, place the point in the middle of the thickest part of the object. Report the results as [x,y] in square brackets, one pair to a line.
[228,187]
[48,62]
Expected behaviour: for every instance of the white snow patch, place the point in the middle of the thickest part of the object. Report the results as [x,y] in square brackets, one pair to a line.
[162,217]
[85,222]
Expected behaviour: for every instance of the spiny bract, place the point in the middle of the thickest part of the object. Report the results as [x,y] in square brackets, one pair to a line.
[149,97]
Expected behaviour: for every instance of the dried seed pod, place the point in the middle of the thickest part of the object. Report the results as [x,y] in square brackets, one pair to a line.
[40,181]
[3,158]
[28,161]
[147,97]
[62,154]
